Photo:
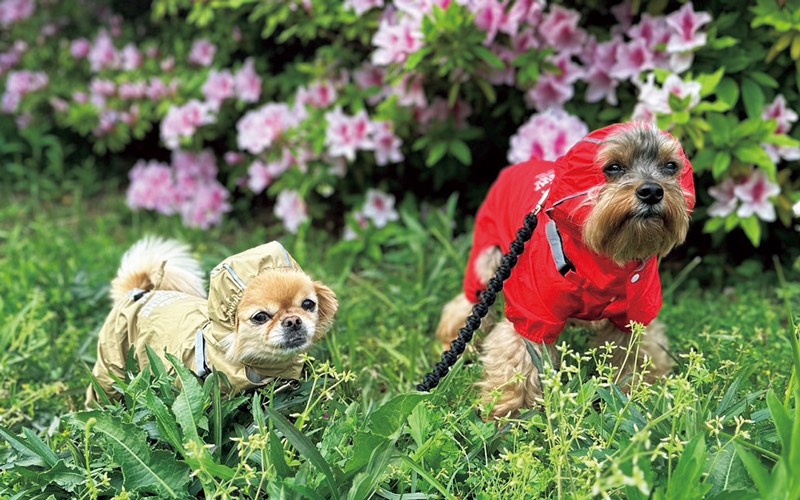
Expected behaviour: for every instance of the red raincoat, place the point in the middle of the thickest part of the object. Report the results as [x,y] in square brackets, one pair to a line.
[540,297]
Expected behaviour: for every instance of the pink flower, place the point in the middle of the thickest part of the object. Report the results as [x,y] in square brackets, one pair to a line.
[218,87]
[152,187]
[260,128]
[167,65]
[410,91]
[207,205]
[233,158]
[685,24]
[200,165]
[724,199]
[369,77]
[387,145]
[395,42]
[19,84]
[361,6]
[379,208]
[291,209]
[560,30]
[600,58]
[132,90]
[778,111]
[632,58]
[202,53]
[654,100]
[361,221]
[489,16]
[14,11]
[546,136]
[754,194]
[80,48]
[182,121]
[317,95]
[441,111]
[553,90]
[131,58]
[107,122]
[346,134]
[103,54]
[247,83]
[260,175]
[59,105]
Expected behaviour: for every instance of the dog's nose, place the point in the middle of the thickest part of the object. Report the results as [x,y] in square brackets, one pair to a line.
[650,193]
[292,322]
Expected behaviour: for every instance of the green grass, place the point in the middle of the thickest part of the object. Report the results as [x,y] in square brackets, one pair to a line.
[725,423]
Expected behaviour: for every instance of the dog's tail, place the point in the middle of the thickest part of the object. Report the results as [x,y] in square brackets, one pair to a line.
[155,262]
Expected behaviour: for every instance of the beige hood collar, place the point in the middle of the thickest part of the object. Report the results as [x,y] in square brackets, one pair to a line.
[229,279]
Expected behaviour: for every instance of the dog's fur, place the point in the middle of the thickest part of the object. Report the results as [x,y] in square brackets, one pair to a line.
[620,226]
[281,313]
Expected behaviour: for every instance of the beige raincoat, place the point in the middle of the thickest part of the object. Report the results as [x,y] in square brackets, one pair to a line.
[189,327]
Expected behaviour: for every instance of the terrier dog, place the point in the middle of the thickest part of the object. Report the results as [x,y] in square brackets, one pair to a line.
[617,201]
[261,313]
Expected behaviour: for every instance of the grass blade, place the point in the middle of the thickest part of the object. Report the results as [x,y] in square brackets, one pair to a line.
[306,448]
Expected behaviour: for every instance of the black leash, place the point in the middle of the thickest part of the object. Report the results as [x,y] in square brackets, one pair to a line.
[488,297]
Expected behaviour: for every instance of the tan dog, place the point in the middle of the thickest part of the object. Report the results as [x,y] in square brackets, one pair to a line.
[262,311]
[615,203]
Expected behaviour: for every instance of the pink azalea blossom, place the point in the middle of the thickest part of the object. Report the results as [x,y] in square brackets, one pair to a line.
[233,158]
[654,100]
[59,105]
[218,87]
[599,59]
[346,134]
[80,48]
[361,221]
[132,90]
[655,33]
[206,207]
[546,136]
[369,77]
[167,65]
[553,90]
[182,122]
[202,53]
[103,54]
[379,208]
[19,84]
[410,91]
[725,200]
[152,187]
[130,58]
[489,15]
[440,111]
[685,24]
[395,42]
[754,194]
[107,122]
[260,175]
[778,111]
[14,11]
[24,120]
[560,30]
[291,209]
[387,145]
[317,95]
[632,59]
[247,83]
[260,128]
[362,6]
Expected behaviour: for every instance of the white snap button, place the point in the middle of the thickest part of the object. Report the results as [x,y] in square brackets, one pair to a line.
[612,299]
[635,278]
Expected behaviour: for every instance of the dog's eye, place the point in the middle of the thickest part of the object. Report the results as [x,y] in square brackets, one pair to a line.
[613,170]
[260,318]
[308,305]
[671,167]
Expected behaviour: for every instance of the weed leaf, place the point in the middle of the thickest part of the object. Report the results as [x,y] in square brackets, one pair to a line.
[306,448]
[142,468]
[389,418]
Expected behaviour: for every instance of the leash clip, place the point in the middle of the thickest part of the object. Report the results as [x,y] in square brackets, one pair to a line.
[540,203]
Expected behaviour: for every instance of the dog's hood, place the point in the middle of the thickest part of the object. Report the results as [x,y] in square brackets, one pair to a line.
[578,172]
[230,277]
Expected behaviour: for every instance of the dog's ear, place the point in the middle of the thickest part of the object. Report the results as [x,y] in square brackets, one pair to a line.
[328,305]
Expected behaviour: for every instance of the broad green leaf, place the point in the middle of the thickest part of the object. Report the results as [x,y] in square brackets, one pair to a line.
[40,447]
[709,81]
[21,446]
[753,98]
[753,154]
[142,468]
[728,91]
[461,151]
[306,449]
[758,473]
[685,481]
[752,228]
[721,163]
[189,404]
[489,57]
[390,417]
[781,420]
[436,153]
[364,442]
[713,224]
[365,483]
[165,421]
[276,457]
